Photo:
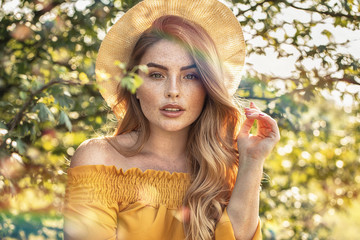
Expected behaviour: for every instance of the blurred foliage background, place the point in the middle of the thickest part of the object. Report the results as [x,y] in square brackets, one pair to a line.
[49,104]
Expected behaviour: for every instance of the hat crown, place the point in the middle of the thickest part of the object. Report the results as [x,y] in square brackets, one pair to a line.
[216,18]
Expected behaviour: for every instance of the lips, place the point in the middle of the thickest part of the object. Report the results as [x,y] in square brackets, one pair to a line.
[172,110]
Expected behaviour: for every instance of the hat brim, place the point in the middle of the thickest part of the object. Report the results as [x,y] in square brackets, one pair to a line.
[216,18]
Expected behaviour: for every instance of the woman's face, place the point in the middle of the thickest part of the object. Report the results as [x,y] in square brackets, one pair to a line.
[172,95]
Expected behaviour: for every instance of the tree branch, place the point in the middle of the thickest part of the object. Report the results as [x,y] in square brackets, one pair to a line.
[15,121]
[326,78]
[328,13]
[343,79]
[253,8]
[261,98]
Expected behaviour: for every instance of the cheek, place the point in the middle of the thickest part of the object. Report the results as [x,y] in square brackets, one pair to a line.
[148,99]
[143,93]
[199,93]
[197,97]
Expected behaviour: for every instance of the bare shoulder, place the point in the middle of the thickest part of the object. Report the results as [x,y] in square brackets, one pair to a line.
[98,151]
[90,152]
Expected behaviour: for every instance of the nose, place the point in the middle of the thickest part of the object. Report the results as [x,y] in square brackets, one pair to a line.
[172,87]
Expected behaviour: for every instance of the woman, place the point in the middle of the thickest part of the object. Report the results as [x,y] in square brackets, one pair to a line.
[179,165]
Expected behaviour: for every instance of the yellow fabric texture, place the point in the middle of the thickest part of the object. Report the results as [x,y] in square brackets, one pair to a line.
[103,202]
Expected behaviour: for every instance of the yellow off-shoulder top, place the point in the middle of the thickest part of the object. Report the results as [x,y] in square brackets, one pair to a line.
[103,202]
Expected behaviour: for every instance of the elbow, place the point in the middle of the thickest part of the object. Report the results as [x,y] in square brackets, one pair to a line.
[248,230]
[244,228]
[243,235]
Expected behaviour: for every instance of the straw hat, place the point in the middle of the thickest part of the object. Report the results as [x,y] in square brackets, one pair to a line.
[216,18]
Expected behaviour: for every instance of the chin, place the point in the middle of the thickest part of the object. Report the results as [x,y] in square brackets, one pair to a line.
[174,127]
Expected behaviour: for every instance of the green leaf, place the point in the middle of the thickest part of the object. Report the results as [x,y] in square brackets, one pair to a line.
[137,81]
[45,114]
[132,82]
[121,65]
[20,145]
[3,126]
[22,95]
[83,78]
[33,131]
[127,82]
[327,33]
[5,104]
[143,68]
[56,90]
[35,85]
[24,129]
[64,101]
[65,119]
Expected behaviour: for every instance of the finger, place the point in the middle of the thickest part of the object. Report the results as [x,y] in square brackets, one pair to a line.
[253,106]
[256,115]
[246,127]
[251,111]
[264,120]
[254,112]
[270,123]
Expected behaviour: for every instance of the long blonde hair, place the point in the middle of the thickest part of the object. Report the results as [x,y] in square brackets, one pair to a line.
[211,146]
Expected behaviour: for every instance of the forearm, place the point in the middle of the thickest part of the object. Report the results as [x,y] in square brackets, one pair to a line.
[243,208]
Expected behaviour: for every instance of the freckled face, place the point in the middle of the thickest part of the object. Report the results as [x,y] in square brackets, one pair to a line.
[172,95]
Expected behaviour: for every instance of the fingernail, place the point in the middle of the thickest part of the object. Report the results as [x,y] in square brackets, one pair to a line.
[247,114]
[261,115]
[247,108]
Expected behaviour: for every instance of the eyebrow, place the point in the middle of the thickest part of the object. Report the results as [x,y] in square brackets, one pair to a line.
[151,64]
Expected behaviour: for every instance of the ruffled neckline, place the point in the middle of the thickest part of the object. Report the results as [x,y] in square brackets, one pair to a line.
[131,171]
[110,185]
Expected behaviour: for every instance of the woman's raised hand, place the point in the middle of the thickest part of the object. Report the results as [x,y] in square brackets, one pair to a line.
[253,149]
